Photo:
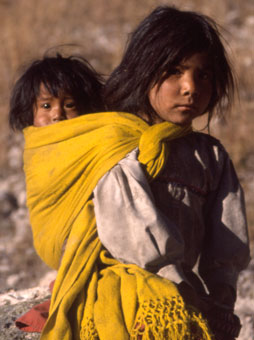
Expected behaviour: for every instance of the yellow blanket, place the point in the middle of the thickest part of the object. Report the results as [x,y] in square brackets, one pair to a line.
[95,296]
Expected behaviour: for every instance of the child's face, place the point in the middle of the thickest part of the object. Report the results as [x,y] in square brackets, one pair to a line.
[49,109]
[186,93]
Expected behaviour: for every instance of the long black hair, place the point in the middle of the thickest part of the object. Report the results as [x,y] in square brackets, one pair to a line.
[160,42]
[72,75]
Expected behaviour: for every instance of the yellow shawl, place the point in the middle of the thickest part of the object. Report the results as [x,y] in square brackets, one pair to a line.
[95,296]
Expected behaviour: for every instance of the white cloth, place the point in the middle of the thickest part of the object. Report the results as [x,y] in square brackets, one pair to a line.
[130,226]
[189,219]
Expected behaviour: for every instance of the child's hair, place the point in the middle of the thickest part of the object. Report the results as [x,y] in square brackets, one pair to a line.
[72,75]
[161,41]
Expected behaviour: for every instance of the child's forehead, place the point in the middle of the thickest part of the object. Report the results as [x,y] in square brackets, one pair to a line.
[43,89]
[46,91]
[198,59]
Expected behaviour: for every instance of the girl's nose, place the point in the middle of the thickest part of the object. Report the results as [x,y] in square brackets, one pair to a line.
[189,85]
[58,114]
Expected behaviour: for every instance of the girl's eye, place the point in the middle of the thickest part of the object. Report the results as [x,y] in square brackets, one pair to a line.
[176,72]
[206,75]
[46,105]
[70,105]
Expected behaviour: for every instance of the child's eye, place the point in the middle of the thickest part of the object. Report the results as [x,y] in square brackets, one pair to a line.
[206,75]
[176,71]
[45,105]
[70,105]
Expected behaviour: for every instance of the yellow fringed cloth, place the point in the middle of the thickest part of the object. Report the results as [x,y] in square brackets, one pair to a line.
[95,296]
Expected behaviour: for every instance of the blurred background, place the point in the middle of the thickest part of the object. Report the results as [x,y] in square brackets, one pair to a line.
[98,29]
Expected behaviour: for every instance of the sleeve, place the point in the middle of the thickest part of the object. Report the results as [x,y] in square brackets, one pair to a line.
[129,225]
[226,251]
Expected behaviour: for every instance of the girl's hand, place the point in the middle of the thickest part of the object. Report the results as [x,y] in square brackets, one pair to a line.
[190,297]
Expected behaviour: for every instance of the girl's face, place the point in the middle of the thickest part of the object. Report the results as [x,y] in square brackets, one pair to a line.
[49,109]
[186,93]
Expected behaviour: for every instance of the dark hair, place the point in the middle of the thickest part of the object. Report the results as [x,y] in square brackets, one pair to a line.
[72,75]
[161,41]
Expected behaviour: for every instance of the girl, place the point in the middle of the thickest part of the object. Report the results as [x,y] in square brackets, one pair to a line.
[52,89]
[175,69]
[161,197]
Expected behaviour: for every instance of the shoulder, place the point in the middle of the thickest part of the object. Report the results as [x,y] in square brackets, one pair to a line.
[199,142]
[206,145]
[197,159]
[205,140]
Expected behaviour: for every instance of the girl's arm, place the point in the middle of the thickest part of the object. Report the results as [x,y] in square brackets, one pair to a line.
[129,225]
[226,248]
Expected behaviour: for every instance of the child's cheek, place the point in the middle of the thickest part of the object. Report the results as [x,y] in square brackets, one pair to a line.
[42,121]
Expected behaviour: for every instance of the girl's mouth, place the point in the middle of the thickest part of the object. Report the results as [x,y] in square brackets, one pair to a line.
[187,107]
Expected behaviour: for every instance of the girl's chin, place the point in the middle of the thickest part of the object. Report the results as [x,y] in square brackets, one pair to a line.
[181,122]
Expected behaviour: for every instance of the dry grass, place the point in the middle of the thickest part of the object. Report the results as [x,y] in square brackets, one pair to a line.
[100,27]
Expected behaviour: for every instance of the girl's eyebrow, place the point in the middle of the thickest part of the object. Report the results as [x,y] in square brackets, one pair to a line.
[68,97]
[44,97]
[203,67]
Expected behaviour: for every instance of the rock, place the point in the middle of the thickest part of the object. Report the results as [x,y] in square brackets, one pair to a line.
[8,203]
[15,303]
[8,315]
[245,302]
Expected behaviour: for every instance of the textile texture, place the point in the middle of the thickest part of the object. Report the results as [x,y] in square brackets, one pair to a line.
[95,296]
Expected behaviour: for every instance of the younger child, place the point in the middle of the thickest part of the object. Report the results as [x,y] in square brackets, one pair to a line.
[52,89]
